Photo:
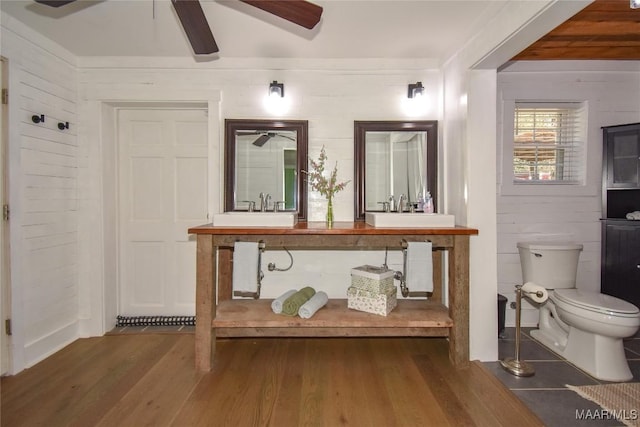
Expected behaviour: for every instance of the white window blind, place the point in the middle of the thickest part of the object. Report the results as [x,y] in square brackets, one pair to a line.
[548,145]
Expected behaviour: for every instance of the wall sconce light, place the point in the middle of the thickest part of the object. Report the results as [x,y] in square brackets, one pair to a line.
[37,118]
[276,89]
[63,126]
[415,90]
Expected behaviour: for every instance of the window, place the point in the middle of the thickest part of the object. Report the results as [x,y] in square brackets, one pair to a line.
[548,143]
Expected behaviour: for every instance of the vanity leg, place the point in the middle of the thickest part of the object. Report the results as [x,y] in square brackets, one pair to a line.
[459,302]
[225,269]
[205,301]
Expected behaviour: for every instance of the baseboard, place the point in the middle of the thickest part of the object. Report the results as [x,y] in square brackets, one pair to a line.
[38,350]
[528,318]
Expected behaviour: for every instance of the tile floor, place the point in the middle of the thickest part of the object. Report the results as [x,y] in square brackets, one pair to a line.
[545,392]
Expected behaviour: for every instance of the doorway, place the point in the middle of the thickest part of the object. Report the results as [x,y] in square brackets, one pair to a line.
[163,190]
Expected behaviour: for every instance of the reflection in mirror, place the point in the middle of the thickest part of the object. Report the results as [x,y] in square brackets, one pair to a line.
[395,165]
[263,159]
[394,159]
[266,161]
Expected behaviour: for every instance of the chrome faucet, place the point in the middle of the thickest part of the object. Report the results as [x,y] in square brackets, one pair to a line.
[267,199]
[252,205]
[401,201]
[385,206]
[264,201]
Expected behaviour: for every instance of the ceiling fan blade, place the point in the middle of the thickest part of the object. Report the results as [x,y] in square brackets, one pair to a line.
[300,12]
[195,26]
[54,3]
[262,139]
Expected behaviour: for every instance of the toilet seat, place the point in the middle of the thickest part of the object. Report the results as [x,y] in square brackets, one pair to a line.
[596,302]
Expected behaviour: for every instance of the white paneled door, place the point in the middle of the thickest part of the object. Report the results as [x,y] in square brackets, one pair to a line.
[162,165]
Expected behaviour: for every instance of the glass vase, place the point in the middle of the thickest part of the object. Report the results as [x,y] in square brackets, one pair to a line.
[330,212]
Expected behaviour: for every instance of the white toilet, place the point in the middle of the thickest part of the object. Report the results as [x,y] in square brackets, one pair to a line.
[586,328]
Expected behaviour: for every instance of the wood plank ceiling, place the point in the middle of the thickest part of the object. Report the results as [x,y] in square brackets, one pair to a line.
[605,30]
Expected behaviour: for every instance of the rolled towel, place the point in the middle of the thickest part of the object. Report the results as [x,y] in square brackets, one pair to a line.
[276,304]
[310,307]
[291,305]
[635,215]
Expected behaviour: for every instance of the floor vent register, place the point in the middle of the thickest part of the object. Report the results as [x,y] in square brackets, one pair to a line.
[155,321]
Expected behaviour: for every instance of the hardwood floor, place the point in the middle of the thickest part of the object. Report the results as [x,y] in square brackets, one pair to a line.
[149,379]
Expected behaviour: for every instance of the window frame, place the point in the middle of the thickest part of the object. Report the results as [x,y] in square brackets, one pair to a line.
[507,183]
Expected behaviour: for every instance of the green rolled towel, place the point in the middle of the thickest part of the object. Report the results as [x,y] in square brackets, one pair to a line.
[291,305]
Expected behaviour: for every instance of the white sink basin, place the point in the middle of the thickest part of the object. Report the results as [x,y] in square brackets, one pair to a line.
[255,219]
[409,220]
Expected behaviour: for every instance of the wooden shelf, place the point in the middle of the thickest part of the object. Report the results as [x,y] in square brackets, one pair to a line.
[255,318]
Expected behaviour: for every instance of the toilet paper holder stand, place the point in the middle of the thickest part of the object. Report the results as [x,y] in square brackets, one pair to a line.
[514,365]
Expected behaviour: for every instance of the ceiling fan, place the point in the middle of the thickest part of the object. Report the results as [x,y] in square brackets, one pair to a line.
[194,22]
[264,137]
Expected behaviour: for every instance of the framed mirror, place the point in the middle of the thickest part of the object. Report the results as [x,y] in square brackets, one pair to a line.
[394,158]
[265,157]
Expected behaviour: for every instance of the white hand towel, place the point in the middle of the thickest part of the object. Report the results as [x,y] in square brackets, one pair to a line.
[276,304]
[310,307]
[245,266]
[419,267]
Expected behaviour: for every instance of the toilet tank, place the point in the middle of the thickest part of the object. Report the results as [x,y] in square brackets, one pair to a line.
[553,265]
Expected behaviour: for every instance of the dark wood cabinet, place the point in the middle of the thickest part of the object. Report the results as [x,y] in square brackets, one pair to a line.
[621,260]
[622,156]
[620,274]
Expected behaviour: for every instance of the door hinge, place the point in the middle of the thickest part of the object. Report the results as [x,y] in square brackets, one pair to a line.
[7,326]
[5,96]
[5,212]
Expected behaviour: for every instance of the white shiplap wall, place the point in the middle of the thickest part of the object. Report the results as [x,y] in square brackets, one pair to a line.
[612,93]
[43,194]
[329,94]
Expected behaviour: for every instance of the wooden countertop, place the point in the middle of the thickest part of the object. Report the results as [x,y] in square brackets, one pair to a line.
[338,228]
